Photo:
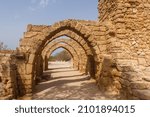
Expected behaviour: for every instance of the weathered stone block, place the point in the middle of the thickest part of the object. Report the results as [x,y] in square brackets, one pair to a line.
[142,61]
[140,85]
[142,94]
[29,69]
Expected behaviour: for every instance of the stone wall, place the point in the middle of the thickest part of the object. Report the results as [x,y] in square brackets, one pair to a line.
[127,35]
[8,75]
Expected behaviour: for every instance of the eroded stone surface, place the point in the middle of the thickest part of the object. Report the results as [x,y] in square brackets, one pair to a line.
[142,94]
[121,36]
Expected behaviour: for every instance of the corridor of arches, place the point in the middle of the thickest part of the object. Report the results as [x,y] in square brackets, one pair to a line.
[80,72]
[66,79]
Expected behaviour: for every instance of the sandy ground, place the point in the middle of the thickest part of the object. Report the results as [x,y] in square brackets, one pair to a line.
[65,83]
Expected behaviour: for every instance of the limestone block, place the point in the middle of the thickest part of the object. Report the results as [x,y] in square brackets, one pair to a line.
[124,82]
[121,31]
[30,34]
[125,68]
[147,79]
[21,69]
[8,86]
[115,73]
[29,69]
[142,61]
[28,86]
[117,85]
[102,48]
[28,82]
[31,58]
[131,76]
[28,91]
[140,85]
[28,77]
[142,94]
[29,27]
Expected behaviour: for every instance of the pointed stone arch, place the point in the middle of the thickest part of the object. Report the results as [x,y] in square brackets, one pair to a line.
[74,37]
[54,47]
[37,36]
[72,52]
[82,57]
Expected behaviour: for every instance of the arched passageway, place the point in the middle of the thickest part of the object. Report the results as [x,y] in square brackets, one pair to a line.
[67,83]
[41,36]
[81,60]
[72,52]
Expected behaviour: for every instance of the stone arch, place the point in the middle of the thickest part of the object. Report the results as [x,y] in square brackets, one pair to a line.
[82,59]
[68,42]
[52,48]
[83,44]
[66,47]
[72,52]
[74,37]
[40,38]
[37,37]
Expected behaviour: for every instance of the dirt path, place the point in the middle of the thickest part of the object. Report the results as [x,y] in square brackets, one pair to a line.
[65,82]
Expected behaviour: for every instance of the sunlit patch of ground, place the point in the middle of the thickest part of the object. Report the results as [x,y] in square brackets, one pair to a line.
[66,83]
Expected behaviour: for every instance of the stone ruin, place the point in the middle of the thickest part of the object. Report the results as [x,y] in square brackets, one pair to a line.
[8,75]
[115,51]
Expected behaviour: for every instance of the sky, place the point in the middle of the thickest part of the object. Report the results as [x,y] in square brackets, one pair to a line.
[15,15]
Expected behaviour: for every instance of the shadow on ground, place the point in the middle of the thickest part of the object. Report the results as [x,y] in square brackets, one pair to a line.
[64,83]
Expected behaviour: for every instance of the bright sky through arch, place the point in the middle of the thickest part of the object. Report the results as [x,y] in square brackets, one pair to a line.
[15,15]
